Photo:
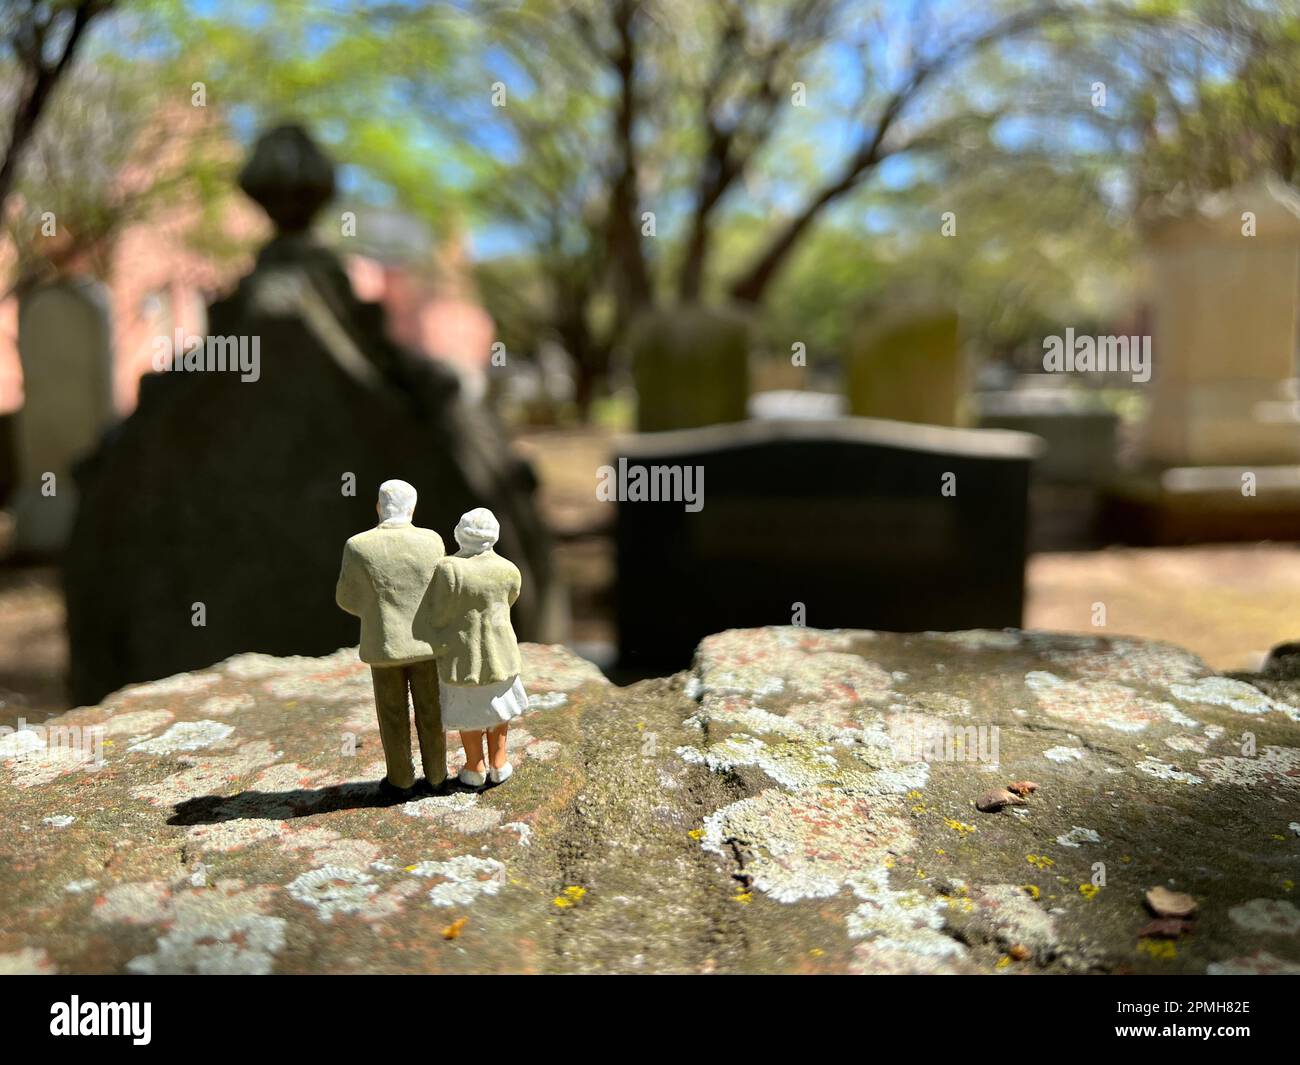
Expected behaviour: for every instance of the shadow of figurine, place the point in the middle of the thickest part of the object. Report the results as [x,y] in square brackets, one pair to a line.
[300,802]
[210,519]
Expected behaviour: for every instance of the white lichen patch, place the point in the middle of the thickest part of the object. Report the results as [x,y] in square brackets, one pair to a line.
[1273,917]
[547,701]
[1233,694]
[334,889]
[463,879]
[137,724]
[903,930]
[1086,702]
[227,836]
[23,744]
[1260,963]
[460,811]
[809,844]
[135,903]
[34,757]
[1126,661]
[1078,836]
[29,961]
[221,931]
[1276,767]
[808,665]
[1064,754]
[1195,744]
[185,736]
[1153,767]
[1005,914]
[218,705]
[58,820]
[522,830]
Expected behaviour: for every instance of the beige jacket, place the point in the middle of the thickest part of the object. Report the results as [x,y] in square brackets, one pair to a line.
[386,572]
[467,612]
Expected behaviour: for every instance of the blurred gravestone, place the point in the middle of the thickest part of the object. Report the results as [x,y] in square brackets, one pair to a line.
[65,343]
[905,364]
[213,519]
[1220,453]
[1226,307]
[691,367]
[863,523]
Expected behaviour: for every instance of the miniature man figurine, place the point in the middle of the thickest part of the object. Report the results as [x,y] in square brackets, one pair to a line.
[467,616]
[385,575]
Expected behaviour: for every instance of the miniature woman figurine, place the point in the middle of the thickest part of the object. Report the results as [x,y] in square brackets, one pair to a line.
[468,606]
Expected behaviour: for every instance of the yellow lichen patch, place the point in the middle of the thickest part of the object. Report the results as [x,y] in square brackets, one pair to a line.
[889,861]
[696,833]
[1089,891]
[411,868]
[1161,949]
[453,930]
[940,851]
[960,827]
[743,897]
[816,952]
[571,896]
[914,795]
[1003,961]
[1126,858]
[1287,885]
[918,809]
[960,905]
[1031,890]
[1039,861]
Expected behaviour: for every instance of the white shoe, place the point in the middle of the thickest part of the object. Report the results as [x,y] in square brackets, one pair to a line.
[503,774]
[471,779]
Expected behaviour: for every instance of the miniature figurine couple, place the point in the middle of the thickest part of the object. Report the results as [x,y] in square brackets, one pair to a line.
[437,626]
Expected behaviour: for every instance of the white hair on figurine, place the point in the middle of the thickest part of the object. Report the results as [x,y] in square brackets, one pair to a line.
[477,530]
[396,503]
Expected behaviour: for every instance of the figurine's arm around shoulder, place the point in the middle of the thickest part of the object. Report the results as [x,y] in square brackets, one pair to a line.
[436,545]
[353,579]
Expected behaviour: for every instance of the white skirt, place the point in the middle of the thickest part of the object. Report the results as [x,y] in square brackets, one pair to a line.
[479,706]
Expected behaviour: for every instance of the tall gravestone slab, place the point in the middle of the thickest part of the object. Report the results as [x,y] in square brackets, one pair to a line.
[213,518]
[1220,449]
[848,519]
[906,364]
[1226,306]
[1226,315]
[65,344]
[691,367]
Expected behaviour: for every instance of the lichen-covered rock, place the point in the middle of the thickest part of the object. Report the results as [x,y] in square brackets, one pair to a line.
[800,801]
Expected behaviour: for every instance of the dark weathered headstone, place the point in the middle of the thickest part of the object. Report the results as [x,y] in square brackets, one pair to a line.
[691,367]
[821,523]
[906,364]
[236,494]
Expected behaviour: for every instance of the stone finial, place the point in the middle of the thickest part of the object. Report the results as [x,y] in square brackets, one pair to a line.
[289,177]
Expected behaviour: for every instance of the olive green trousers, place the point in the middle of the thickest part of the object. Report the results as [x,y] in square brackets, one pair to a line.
[392,684]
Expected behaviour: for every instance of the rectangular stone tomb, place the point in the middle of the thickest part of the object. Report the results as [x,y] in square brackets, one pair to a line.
[853,523]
